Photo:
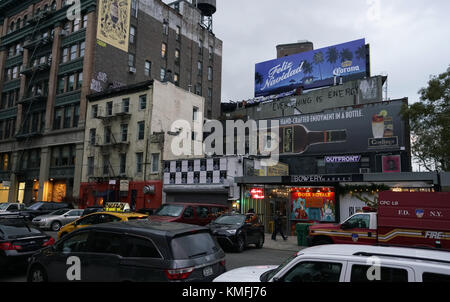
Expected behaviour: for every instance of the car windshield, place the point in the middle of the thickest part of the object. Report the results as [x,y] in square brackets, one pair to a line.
[59,212]
[3,206]
[35,206]
[269,274]
[170,210]
[230,219]
[16,228]
[193,245]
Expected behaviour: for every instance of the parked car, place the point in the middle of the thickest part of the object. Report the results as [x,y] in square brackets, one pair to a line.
[351,263]
[11,207]
[97,218]
[92,209]
[234,231]
[190,213]
[43,208]
[139,251]
[55,220]
[19,240]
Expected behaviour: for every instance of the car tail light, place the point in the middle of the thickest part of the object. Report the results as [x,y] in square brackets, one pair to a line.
[49,242]
[222,262]
[8,246]
[179,274]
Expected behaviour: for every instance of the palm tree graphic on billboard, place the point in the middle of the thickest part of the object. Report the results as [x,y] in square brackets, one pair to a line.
[332,55]
[318,59]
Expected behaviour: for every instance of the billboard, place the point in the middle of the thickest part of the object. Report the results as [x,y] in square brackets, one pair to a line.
[311,69]
[357,129]
[113,25]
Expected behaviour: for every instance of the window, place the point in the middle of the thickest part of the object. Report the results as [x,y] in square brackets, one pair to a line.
[123,163]
[74,244]
[198,89]
[107,243]
[61,85]
[57,118]
[142,102]
[105,164]
[155,163]
[65,55]
[76,24]
[194,113]
[92,136]
[188,212]
[433,277]
[148,68]
[71,83]
[176,79]
[76,116]
[210,73]
[314,272]
[163,50]
[107,133]
[73,52]
[388,274]
[361,221]
[202,212]
[109,108]
[85,20]
[124,132]
[67,117]
[141,248]
[134,8]
[90,165]
[94,111]
[177,56]
[165,28]
[125,105]
[162,74]
[80,80]
[139,161]
[141,130]
[200,47]
[82,49]
[178,33]
[130,60]
[199,67]
[132,34]
[53,5]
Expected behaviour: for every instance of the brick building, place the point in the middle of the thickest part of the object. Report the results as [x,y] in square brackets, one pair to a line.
[49,64]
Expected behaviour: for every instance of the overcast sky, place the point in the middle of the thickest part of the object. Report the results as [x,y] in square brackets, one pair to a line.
[409,40]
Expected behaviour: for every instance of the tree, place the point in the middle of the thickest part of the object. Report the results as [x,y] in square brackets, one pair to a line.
[318,59]
[258,78]
[346,55]
[307,67]
[430,124]
[361,52]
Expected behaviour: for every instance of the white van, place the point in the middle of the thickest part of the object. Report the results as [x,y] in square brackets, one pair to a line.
[351,263]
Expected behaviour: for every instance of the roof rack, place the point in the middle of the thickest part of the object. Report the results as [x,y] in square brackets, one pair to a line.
[368,254]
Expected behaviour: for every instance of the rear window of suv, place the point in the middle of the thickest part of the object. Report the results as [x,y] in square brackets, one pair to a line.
[193,245]
[16,228]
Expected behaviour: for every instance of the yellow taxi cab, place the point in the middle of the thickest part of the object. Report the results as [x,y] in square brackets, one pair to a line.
[112,212]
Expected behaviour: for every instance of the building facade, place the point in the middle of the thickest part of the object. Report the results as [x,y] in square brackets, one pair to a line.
[49,63]
[128,136]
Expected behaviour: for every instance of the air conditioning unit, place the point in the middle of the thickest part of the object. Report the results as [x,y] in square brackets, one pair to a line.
[364,170]
[132,69]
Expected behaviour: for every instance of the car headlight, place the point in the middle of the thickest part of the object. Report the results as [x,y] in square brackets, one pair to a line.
[232,232]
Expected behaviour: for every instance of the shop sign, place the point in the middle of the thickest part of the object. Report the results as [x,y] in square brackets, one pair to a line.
[257,193]
[342,159]
[124,185]
[320,178]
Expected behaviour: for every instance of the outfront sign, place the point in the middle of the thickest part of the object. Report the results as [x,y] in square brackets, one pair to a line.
[311,69]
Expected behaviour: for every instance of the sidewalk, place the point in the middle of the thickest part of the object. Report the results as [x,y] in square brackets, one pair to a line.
[289,245]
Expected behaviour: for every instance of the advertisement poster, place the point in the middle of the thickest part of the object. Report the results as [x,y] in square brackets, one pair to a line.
[392,164]
[311,69]
[362,128]
[313,204]
[114,23]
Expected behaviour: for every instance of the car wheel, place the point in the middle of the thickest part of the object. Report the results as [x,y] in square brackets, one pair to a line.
[260,242]
[240,244]
[55,226]
[37,274]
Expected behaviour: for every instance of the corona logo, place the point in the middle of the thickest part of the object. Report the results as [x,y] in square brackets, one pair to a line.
[346,64]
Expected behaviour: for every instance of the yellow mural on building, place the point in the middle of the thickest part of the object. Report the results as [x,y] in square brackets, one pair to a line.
[113,25]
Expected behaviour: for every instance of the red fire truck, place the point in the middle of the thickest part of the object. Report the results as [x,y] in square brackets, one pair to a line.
[404,219]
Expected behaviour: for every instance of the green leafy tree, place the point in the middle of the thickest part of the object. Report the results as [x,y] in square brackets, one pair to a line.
[430,124]
[318,60]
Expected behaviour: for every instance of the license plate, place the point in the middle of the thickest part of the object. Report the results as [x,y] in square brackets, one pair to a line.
[207,271]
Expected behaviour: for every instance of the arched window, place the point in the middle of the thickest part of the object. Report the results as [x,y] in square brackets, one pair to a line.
[54,5]
[11,27]
[19,23]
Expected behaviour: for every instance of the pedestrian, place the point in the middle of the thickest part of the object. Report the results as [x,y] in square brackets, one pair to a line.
[278,226]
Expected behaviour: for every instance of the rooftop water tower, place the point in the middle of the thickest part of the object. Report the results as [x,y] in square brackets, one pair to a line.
[207,8]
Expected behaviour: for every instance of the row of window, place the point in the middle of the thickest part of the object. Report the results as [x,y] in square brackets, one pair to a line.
[30,159]
[34,124]
[22,22]
[7,128]
[70,82]
[9,99]
[63,156]
[108,135]
[73,52]
[106,167]
[66,117]
[13,72]
[5,163]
